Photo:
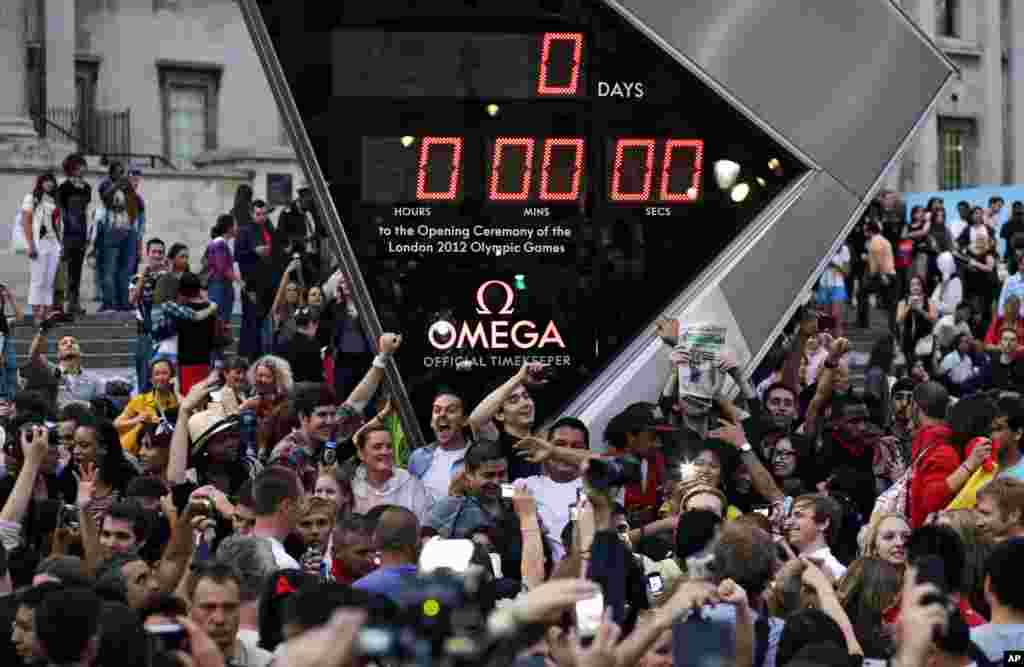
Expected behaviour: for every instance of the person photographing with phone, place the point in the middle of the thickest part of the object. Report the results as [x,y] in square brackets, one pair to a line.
[481,505]
[73,383]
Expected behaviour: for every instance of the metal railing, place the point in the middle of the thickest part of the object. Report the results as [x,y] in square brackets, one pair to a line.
[103,133]
[95,132]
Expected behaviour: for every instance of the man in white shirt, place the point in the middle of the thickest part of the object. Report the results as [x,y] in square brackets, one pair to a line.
[438,463]
[560,485]
[279,500]
[812,524]
[254,560]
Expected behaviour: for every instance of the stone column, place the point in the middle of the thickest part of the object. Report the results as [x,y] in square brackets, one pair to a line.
[926,153]
[60,53]
[14,120]
[991,130]
[1016,91]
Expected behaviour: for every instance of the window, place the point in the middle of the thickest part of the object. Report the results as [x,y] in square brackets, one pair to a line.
[952,159]
[947,18]
[189,96]
[956,140]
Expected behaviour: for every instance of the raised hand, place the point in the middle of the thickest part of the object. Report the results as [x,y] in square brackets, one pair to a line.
[523,502]
[667,328]
[197,394]
[729,432]
[732,593]
[553,597]
[601,652]
[86,478]
[689,597]
[530,374]
[838,348]
[389,343]
[534,450]
[35,447]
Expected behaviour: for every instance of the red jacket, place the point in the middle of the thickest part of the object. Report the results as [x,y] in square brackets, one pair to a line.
[928,490]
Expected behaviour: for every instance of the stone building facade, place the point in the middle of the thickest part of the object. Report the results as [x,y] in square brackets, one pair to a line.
[975,136]
[174,86]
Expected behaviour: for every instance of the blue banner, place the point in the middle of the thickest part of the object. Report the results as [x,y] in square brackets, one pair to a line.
[974,197]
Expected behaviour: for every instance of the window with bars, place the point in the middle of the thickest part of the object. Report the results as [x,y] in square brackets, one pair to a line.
[952,159]
[189,94]
[957,142]
[947,18]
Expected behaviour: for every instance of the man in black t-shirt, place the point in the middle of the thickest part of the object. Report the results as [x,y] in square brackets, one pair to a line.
[1013,227]
[302,350]
[195,337]
[511,406]
[73,198]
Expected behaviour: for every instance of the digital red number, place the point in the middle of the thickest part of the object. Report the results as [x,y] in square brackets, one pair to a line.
[550,145]
[455,168]
[543,87]
[500,145]
[631,145]
[693,188]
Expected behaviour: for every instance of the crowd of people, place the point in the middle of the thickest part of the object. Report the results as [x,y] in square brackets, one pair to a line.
[254,513]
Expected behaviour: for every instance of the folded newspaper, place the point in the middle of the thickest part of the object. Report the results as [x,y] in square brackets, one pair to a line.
[699,348]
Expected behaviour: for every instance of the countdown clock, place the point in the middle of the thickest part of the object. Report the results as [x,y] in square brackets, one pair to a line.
[552,151]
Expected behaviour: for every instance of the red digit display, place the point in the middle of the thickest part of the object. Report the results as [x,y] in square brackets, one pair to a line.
[545,88]
[500,145]
[632,145]
[573,191]
[455,168]
[693,184]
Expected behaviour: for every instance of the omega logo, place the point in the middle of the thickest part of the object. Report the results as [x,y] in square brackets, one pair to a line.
[496,334]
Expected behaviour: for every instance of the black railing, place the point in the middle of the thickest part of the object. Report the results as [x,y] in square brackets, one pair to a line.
[103,133]
[95,132]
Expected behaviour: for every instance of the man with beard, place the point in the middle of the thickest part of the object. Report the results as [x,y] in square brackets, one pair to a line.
[73,383]
[480,509]
[437,464]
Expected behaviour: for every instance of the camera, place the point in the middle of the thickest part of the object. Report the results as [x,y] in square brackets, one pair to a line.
[164,639]
[613,473]
[442,614]
[68,517]
[49,323]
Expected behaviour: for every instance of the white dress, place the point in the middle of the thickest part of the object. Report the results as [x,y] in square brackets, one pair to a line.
[43,269]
